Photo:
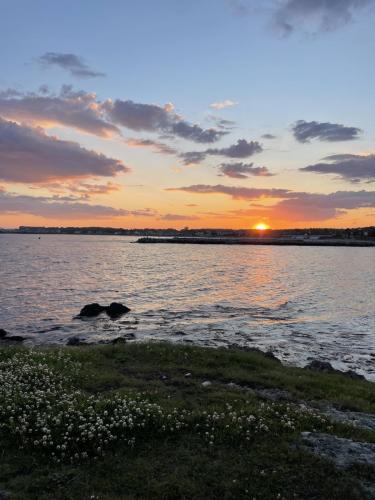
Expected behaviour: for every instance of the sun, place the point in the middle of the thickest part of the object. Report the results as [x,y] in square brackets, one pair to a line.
[261,226]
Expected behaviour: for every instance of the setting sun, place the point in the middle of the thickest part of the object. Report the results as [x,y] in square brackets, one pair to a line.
[261,226]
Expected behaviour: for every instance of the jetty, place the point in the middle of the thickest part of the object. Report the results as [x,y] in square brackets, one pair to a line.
[259,241]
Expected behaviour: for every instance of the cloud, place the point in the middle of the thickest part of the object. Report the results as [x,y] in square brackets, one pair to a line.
[59,208]
[316,15]
[79,110]
[243,170]
[353,168]
[329,132]
[83,111]
[158,147]
[227,103]
[28,155]
[70,62]
[178,217]
[222,123]
[241,149]
[83,190]
[290,206]
[153,118]
[236,192]
[269,136]
[317,207]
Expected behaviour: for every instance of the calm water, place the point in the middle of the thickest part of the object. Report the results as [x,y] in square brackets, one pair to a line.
[299,302]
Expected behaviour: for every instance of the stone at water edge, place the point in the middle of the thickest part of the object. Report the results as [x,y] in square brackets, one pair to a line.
[74,341]
[116,309]
[325,367]
[3,333]
[92,310]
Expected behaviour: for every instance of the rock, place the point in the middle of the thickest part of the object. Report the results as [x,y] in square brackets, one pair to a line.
[118,340]
[325,367]
[357,419]
[74,341]
[270,355]
[3,333]
[274,394]
[116,309]
[354,375]
[92,310]
[188,374]
[343,452]
[206,383]
[14,338]
[320,366]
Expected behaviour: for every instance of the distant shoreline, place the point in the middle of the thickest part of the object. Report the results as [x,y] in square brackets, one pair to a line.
[259,241]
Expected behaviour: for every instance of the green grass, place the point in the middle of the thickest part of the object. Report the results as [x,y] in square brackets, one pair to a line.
[182,464]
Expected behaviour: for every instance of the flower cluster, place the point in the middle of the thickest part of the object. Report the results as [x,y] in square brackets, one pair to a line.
[244,424]
[41,407]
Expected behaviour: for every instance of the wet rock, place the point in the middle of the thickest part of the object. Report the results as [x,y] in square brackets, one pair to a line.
[75,341]
[92,310]
[320,366]
[343,452]
[3,333]
[118,340]
[354,375]
[13,339]
[325,367]
[116,310]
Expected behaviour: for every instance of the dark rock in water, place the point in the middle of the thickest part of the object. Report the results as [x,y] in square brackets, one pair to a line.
[74,341]
[320,366]
[3,333]
[116,309]
[91,310]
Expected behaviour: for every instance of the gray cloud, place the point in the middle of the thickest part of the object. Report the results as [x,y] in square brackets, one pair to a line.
[241,149]
[79,110]
[269,136]
[70,62]
[310,15]
[349,167]
[59,208]
[290,206]
[311,206]
[237,193]
[316,15]
[243,170]
[28,155]
[330,132]
[158,147]
[153,118]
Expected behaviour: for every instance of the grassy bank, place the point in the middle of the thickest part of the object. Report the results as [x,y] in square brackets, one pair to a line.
[166,421]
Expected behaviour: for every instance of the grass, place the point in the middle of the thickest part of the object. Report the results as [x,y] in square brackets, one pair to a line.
[177,438]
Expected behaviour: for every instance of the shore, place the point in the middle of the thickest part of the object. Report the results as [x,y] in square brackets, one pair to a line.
[260,241]
[156,420]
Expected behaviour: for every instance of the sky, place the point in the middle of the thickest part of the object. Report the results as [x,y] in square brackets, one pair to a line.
[198,113]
